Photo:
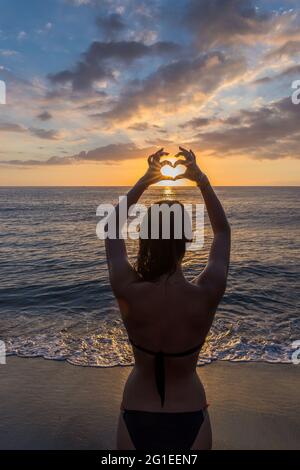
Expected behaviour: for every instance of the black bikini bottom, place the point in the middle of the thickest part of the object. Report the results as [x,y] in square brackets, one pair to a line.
[163,431]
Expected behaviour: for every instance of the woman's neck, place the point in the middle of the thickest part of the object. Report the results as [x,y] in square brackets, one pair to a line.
[175,276]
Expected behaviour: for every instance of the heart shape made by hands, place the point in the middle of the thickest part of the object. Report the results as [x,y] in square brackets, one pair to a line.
[172,170]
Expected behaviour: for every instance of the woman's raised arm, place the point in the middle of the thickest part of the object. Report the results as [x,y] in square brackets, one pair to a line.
[214,276]
[121,272]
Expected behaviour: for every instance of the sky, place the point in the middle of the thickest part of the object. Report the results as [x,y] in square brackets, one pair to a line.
[95,86]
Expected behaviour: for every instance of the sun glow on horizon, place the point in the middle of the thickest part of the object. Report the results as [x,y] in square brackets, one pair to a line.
[173,172]
[69,122]
[168,193]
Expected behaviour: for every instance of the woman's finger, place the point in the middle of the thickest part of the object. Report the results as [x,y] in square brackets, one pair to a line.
[180,177]
[184,154]
[180,154]
[157,156]
[169,178]
[180,162]
[184,150]
[188,155]
[160,152]
[192,153]
[166,162]
[156,165]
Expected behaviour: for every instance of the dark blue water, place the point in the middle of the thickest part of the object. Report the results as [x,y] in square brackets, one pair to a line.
[55,299]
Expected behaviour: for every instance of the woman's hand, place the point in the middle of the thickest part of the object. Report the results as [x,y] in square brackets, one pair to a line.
[153,174]
[192,171]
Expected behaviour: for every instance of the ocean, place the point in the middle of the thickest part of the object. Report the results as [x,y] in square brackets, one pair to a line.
[55,297]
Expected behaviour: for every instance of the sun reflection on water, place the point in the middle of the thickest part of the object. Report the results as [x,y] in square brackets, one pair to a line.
[168,192]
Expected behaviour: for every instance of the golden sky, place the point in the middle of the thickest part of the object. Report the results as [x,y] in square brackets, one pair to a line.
[93,88]
[233,172]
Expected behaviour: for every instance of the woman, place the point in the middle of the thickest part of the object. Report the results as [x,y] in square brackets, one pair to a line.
[167,319]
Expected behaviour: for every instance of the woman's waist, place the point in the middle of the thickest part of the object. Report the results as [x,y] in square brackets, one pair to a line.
[183,391]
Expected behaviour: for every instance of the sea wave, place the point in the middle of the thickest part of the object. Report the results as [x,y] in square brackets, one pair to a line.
[56,301]
[107,345]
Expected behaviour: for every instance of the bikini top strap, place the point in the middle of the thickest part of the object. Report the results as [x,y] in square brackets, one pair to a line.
[185,353]
[141,348]
[179,354]
[159,365]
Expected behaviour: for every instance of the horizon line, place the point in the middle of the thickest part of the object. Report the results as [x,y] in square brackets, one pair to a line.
[155,187]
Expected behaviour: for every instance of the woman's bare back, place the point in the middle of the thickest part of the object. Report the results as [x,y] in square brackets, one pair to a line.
[172,316]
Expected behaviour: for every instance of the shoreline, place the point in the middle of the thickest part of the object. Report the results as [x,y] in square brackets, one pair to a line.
[50,404]
[214,361]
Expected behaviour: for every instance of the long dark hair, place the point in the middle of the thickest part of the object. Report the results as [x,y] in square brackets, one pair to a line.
[161,254]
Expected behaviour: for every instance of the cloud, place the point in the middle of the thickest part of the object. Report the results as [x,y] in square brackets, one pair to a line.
[36,132]
[45,134]
[44,116]
[45,29]
[221,22]
[140,126]
[145,126]
[81,77]
[112,153]
[294,70]
[175,84]
[117,5]
[290,48]
[79,2]
[22,35]
[269,132]
[7,52]
[116,152]
[161,62]
[95,63]
[11,127]
[196,122]
[111,25]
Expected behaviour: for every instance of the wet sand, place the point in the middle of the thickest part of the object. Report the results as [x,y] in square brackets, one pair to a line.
[54,405]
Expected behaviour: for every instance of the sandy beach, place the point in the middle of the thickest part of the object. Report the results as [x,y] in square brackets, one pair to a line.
[54,405]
